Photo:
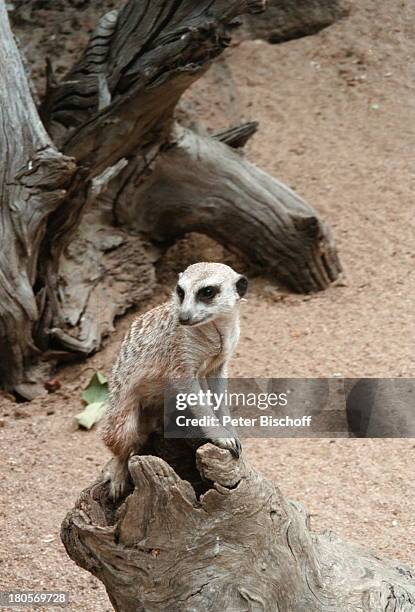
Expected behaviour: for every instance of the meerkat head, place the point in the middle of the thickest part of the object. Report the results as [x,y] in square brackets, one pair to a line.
[206,291]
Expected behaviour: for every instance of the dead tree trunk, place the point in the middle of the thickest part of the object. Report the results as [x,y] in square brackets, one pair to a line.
[34,179]
[239,546]
[85,215]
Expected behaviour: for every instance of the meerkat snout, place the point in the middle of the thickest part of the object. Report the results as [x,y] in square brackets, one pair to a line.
[206,291]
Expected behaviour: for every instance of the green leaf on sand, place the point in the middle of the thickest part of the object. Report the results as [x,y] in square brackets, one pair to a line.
[97,390]
[95,395]
[91,414]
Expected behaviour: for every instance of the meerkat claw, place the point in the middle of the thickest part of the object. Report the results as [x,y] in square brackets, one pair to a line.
[231,444]
[118,489]
[118,478]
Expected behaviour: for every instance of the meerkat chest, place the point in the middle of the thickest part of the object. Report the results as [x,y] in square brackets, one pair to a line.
[220,352]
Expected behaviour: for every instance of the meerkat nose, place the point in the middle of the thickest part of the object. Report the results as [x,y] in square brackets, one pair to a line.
[184,318]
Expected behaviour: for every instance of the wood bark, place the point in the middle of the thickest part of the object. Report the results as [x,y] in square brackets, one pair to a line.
[237,545]
[78,210]
[34,179]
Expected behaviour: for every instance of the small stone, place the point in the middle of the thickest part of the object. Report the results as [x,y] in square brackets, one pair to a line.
[52,385]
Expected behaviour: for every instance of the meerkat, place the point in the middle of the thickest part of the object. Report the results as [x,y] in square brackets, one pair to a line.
[191,337]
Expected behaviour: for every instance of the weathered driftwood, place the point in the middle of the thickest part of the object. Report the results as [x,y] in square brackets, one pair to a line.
[289,19]
[239,546]
[201,185]
[34,178]
[78,256]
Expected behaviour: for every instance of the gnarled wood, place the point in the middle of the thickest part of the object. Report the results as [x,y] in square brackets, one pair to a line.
[80,221]
[240,546]
[143,84]
[129,79]
[34,178]
[201,185]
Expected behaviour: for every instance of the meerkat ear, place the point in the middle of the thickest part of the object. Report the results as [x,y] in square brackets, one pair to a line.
[241,285]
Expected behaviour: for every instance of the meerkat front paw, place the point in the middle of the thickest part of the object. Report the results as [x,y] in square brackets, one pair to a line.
[231,444]
[119,479]
[118,488]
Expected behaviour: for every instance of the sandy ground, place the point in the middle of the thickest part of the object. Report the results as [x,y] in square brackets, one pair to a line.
[335,114]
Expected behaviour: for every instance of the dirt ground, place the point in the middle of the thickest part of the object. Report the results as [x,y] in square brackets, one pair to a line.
[336,123]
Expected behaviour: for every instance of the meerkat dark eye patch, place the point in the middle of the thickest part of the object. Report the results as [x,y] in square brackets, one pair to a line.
[205,294]
[180,292]
[242,285]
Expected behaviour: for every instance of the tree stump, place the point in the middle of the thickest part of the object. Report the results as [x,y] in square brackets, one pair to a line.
[233,545]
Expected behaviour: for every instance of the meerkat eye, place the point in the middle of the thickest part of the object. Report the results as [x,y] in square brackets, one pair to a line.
[180,293]
[207,293]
